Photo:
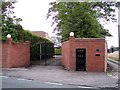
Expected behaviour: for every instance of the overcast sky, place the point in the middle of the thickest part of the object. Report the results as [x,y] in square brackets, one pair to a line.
[33,13]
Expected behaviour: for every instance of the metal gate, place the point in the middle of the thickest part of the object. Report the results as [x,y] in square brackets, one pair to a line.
[81,59]
[41,52]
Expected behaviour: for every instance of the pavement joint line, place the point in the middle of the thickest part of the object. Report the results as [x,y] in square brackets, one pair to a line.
[4,77]
[54,83]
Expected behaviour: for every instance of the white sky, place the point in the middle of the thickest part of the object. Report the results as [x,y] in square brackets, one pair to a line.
[33,13]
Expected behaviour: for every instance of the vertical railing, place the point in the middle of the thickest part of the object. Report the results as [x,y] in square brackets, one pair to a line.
[42,51]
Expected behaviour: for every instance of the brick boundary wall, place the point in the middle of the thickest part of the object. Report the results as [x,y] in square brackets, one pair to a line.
[14,55]
[93,63]
[0,53]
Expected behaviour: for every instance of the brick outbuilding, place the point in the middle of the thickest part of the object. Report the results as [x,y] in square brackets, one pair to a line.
[85,54]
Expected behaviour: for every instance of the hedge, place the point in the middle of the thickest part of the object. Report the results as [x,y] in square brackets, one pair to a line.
[35,46]
[28,36]
[25,35]
[57,51]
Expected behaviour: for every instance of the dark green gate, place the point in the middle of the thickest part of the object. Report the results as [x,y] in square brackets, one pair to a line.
[42,50]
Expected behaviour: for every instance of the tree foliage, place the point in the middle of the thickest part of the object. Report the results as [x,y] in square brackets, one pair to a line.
[10,24]
[81,18]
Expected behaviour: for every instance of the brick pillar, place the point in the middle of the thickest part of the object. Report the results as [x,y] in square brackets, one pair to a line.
[9,42]
[71,38]
[27,59]
[72,59]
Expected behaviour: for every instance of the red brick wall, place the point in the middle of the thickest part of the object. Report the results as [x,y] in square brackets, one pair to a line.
[65,54]
[0,53]
[14,55]
[106,56]
[93,62]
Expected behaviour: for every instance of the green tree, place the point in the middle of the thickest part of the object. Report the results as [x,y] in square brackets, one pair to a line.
[56,40]
[81,18]
[10,24]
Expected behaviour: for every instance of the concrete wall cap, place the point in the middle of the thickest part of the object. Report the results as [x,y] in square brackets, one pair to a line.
[91,38]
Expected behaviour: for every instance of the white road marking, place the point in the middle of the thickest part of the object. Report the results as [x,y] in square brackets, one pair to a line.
[84,87]
[23,79]
[54,83]
[4,77]
[12,69]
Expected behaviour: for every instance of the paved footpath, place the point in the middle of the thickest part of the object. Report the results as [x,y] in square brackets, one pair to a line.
[57,74]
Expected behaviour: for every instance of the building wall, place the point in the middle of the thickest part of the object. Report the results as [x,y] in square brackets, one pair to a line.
[106,56]
[14,55]
[40,34]
[93,62]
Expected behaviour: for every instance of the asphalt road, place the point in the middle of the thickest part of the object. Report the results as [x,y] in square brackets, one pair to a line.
[12,82]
